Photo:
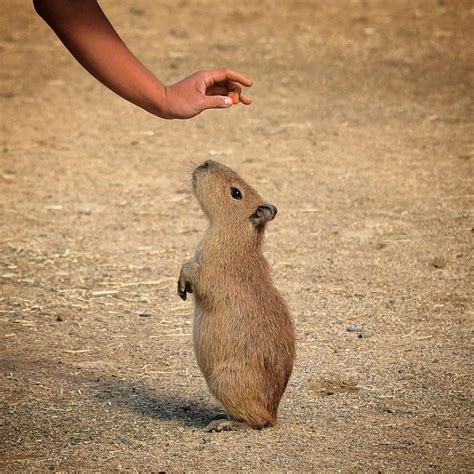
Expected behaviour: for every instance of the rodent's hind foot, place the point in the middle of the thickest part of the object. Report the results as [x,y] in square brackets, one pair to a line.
[224,424]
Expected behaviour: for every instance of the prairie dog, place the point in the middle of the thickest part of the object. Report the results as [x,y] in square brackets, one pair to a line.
[242,331]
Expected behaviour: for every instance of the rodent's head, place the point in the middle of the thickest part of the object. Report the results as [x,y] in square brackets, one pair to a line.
[227,200]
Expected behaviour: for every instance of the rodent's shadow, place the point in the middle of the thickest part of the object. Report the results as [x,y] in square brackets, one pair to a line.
[139,397]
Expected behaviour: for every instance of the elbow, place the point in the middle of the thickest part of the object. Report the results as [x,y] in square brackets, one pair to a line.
[40,7]
[53,11]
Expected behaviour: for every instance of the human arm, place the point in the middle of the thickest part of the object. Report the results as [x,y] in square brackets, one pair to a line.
[88,35]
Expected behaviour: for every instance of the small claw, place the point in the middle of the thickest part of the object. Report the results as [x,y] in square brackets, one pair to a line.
[225,425]
[181,291]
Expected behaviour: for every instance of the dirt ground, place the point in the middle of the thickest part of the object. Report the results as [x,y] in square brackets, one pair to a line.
[360,133]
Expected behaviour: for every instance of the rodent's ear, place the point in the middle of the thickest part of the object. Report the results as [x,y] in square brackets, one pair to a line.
[263,214]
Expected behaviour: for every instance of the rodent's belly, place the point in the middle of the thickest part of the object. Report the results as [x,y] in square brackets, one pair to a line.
[199,351]
[210,346]
[227,335]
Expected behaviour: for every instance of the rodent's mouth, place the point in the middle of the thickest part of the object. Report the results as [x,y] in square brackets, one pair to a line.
[200,169]
[196,172]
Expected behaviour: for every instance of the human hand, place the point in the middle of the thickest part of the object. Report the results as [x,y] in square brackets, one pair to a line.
[212,89]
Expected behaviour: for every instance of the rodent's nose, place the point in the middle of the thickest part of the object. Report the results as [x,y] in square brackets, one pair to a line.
[208,165]
[204,166]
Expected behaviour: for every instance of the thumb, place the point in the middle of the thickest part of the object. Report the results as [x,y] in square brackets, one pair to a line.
[216,102]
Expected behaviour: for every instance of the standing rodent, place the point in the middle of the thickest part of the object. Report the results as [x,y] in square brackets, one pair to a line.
[242,331]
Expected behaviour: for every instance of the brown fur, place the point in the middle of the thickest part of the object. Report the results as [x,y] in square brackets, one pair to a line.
[243,333]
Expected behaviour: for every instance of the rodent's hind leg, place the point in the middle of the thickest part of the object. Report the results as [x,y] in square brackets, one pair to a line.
[187,278]
[225,424]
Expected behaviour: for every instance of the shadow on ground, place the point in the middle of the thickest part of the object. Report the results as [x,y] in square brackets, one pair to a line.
[137,396]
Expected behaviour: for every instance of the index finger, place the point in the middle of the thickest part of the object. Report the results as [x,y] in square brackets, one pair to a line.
[222,75]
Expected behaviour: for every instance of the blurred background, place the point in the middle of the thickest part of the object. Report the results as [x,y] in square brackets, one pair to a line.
[360,133]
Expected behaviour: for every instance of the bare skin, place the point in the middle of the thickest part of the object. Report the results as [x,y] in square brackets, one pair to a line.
[88,35]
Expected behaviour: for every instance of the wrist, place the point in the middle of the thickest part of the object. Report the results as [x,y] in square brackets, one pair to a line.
[157,102]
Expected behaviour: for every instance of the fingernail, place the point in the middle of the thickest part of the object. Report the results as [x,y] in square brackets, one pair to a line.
[227,101]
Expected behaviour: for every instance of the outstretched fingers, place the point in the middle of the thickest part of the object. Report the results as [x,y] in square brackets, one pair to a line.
[219,91]
[217,76]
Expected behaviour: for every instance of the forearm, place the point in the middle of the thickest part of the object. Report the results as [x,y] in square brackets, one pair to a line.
[91,39]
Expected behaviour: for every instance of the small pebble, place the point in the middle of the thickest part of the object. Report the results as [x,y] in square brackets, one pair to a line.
[85,211]
[60,317]
[354,328]
[145,314]
[439,262]
[136,11]
[364,334]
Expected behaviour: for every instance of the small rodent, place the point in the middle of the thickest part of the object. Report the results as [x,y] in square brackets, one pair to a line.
[243,334]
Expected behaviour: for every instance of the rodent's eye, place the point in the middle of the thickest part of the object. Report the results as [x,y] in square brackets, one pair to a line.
[235,193]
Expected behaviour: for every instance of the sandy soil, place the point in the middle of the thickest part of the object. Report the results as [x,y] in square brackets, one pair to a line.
[360,133]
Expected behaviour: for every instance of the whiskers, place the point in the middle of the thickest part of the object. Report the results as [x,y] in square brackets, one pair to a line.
[185,180]
[189,165]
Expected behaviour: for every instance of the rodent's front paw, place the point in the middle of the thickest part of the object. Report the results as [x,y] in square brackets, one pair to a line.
[184,287]
[186,279]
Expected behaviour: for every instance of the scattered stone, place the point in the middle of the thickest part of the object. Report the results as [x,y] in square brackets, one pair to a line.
[136,11]
[439,262]
[145,314]
[8,177]
[380,245]
[325,387]
[60,317]
[220,152]
[364,334]
[85,211]
[354,328]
